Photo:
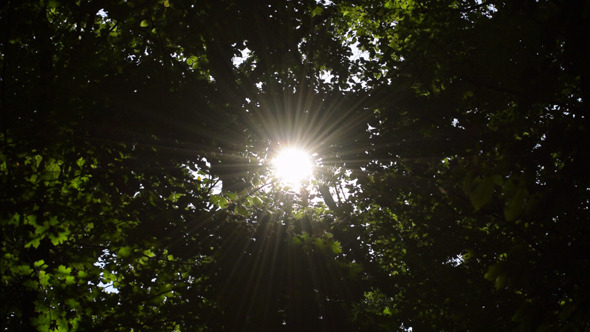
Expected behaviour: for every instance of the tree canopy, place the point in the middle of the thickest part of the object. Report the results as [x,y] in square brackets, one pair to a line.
[450,139]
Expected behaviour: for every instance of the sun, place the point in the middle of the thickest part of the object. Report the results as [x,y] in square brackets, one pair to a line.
[292,166]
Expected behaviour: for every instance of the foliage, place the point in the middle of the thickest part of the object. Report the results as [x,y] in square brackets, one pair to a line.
[451,191]
[478,104]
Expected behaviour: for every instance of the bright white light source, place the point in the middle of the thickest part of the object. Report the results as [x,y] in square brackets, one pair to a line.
[292,166]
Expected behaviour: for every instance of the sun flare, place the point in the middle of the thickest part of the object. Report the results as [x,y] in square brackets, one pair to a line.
[292,166]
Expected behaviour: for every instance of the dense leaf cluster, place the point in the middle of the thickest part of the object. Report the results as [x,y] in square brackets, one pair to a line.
[451,191]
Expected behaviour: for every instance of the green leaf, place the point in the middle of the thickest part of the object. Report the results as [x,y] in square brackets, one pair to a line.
[63,270]
[494,271]
[52,170]
[482,194]
[501,281]
[144,23]
[76,182]
[467,255]
[34,242]
[42,322]
[190,61]
[31,219]
[515,204]
[242,211]
[70,280]
[336,247]
[174,197]
[219,200]
[257,202]
[40,230]
[319,242]
[317,11]
[30,283]
[52,4]
[231,196]
[59,238]
[53,221]
[37,162]
[33,178]
[22,270]
[72,303]
[124,251]
[43,278]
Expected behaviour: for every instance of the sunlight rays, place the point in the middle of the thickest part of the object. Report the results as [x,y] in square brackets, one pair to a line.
[330,125]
